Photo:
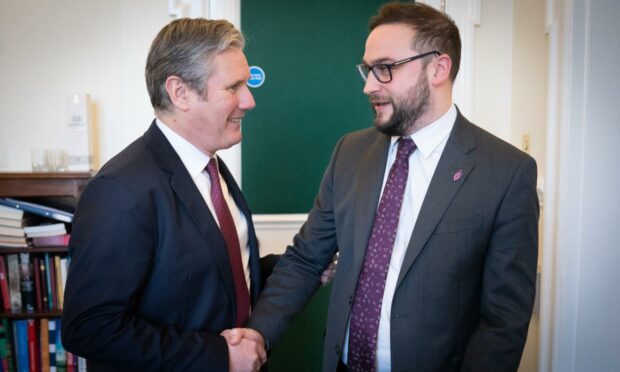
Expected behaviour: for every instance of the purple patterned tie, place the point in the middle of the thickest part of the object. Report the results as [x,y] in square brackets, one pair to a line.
[227,226]
[371,284]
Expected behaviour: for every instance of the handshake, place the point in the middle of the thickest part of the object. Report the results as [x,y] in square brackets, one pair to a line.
[246,349]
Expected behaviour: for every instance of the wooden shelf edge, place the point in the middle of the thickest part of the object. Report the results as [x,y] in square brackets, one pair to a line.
[46,175]
[35,315]
[45,249]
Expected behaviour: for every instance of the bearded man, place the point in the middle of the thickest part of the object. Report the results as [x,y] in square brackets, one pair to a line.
[435,221]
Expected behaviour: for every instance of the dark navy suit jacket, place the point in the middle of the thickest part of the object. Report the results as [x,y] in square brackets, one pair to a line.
[150,285]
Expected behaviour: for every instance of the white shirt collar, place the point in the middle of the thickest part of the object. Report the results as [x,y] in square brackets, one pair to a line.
[431,136]
[194,160]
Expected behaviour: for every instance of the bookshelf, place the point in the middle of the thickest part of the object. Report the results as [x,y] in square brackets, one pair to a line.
[59,190]
[56,188]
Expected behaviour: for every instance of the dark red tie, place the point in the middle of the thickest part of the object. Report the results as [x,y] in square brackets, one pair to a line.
[366,309]
[227,226]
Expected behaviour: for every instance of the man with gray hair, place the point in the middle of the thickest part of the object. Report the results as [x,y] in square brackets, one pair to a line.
[164,253]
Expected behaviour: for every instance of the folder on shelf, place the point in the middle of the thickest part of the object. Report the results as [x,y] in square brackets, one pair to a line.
[38,209]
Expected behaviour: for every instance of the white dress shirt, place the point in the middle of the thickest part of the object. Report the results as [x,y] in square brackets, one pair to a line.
[430,142]
[195,162]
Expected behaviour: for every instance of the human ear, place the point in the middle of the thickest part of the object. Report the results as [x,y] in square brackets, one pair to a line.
[443,65]
[178,92]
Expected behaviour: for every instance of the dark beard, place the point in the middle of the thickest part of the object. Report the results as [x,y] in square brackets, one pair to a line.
[408,110]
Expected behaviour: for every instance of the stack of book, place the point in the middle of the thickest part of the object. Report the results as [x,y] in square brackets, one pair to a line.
[12,233]
[48,234]
[24,224]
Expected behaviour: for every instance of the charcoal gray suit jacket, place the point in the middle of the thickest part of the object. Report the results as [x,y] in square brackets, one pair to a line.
[465,292]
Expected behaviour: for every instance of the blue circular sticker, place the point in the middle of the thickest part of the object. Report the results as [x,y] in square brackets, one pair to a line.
[257,77]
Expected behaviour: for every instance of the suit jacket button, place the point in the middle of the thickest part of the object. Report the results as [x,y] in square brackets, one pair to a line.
[337,349]
[350,300]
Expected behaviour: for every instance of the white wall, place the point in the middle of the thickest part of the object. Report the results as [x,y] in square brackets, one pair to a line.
[493,68]
[49,49]
[598,326]
[580,319]
[529,78]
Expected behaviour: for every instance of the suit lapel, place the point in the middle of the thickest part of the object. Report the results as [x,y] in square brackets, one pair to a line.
[188,194]
[185,189]
[442,189]
[368,191]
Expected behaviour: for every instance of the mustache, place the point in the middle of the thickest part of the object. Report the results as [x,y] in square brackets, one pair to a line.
[375,98]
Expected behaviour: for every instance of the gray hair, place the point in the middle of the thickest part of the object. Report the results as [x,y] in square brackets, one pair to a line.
[185,48]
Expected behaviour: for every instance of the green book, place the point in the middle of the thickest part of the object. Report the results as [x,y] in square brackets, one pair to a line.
[6,356]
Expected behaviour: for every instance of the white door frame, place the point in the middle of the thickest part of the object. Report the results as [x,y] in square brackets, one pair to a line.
[568,26]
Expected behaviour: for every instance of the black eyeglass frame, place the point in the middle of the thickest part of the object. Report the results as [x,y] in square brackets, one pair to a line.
[365,69]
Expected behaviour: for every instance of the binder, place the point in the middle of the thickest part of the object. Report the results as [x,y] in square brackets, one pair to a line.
[38,209]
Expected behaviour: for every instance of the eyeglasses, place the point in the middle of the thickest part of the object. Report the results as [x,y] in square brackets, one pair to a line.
[383,71]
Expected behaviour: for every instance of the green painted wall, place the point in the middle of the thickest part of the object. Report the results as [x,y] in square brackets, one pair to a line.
[312,95]
[301,348]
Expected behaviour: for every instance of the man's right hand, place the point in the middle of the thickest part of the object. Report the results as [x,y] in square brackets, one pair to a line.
[245,353]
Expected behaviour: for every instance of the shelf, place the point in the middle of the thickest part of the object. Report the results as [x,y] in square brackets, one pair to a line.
[49,249]
[43,184]
[34,315]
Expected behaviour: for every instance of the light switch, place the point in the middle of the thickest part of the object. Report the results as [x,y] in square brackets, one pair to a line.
[525,143]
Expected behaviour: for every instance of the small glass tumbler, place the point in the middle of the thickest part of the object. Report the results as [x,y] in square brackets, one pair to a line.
[38,159]
[57,160]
